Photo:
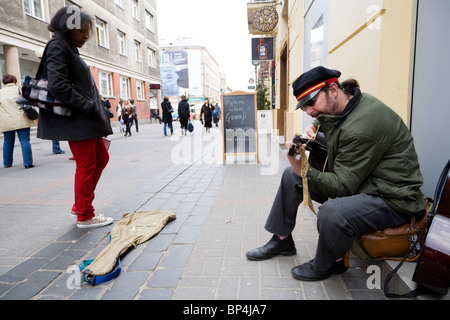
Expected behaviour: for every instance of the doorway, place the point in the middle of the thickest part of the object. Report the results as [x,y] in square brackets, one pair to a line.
[284,91]
[430,114]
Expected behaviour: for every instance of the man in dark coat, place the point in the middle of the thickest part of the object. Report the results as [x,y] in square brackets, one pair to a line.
[184,113]
[167,115]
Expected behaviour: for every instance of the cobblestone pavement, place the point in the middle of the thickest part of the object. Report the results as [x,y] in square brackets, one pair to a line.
[220,209]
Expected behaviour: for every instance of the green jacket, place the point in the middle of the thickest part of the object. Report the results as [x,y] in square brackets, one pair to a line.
[371,151]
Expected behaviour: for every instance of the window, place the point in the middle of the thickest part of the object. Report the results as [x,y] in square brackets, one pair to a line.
[69,3]
[149,21]
[317,37]
[121,43]
[105,81]
[34,8]
[139,90]
[151,58]
[100,28]
[137,51]
[124,88]
[134,9]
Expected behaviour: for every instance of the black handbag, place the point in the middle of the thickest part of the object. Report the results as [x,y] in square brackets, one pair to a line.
[30,112]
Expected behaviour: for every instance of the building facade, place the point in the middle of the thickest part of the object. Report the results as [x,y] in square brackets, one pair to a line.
[190,70]
[396,49]
[122,52]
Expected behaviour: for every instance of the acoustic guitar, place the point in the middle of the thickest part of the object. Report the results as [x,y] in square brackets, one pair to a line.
[433,269]
[318,154]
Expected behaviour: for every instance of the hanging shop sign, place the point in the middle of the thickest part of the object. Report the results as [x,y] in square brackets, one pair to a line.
[265,19]
[262,49]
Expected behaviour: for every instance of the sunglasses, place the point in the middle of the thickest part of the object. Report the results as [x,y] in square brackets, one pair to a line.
[311,102]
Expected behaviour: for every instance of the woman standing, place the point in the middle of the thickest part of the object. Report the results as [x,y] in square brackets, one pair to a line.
[167,115]
[13,120]
[70,81]
[207,110]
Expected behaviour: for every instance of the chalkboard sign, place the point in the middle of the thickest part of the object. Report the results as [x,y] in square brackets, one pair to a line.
[239,124]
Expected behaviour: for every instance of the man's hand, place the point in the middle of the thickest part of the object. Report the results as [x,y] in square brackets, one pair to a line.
[310,131]
[296,164]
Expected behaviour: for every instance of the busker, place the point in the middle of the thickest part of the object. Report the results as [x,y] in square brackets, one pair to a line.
[373,179]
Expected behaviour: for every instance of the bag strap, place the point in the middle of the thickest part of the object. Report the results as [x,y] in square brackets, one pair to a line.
[95,280]
[44,56]
[420,290]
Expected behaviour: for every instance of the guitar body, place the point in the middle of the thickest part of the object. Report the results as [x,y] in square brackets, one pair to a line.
[318,154]
[433,269]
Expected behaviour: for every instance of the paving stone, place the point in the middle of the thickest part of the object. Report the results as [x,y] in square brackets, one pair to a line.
[33,284]
[221,211]
[126,286]
[165,278]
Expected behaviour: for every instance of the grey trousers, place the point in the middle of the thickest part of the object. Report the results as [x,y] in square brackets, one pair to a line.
[339,220]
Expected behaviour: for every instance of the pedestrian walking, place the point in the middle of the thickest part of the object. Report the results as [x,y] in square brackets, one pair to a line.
[119,116]
[206,113]
[184,113]
[134,118]
[127,117]
[216,114]
[70,81]
[167,115]
[14,121]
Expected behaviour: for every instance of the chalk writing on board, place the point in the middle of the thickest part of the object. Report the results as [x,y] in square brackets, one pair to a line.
[239,121]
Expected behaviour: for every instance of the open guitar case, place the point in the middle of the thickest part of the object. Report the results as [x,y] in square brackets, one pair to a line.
[432,271]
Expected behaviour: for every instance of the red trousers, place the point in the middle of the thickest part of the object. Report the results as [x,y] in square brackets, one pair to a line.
[91,157]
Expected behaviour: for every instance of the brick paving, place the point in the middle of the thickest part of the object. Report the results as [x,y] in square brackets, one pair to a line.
[221,210]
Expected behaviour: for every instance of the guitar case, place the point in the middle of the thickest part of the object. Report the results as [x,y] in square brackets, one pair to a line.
[432,271]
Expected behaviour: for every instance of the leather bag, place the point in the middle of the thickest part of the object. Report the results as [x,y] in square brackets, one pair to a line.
[392,243]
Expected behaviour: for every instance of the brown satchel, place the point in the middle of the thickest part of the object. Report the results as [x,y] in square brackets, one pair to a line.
[394,243]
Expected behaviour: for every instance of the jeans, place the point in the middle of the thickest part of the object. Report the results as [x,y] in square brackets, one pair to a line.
[8,147]
[339,220]
[56,147]
[170,126]
[91,157]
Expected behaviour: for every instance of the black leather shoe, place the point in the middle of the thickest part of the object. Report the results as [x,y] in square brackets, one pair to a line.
[29,167]
[274,247]
[306,271]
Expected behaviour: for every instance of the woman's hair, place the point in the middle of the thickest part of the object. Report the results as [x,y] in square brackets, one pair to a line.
[69,18]
[166,98]
[9,78]
[183,98]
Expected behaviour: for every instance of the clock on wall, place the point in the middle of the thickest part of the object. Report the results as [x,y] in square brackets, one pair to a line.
[265,19]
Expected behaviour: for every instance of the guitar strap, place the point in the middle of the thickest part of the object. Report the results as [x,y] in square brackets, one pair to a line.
[420,290]
[307,201]
[305,167]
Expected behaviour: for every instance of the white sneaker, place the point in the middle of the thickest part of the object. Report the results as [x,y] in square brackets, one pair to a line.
[98,221]
[73,214]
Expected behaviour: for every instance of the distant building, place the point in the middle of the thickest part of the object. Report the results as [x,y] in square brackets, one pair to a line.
[122,52]
[190,70]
